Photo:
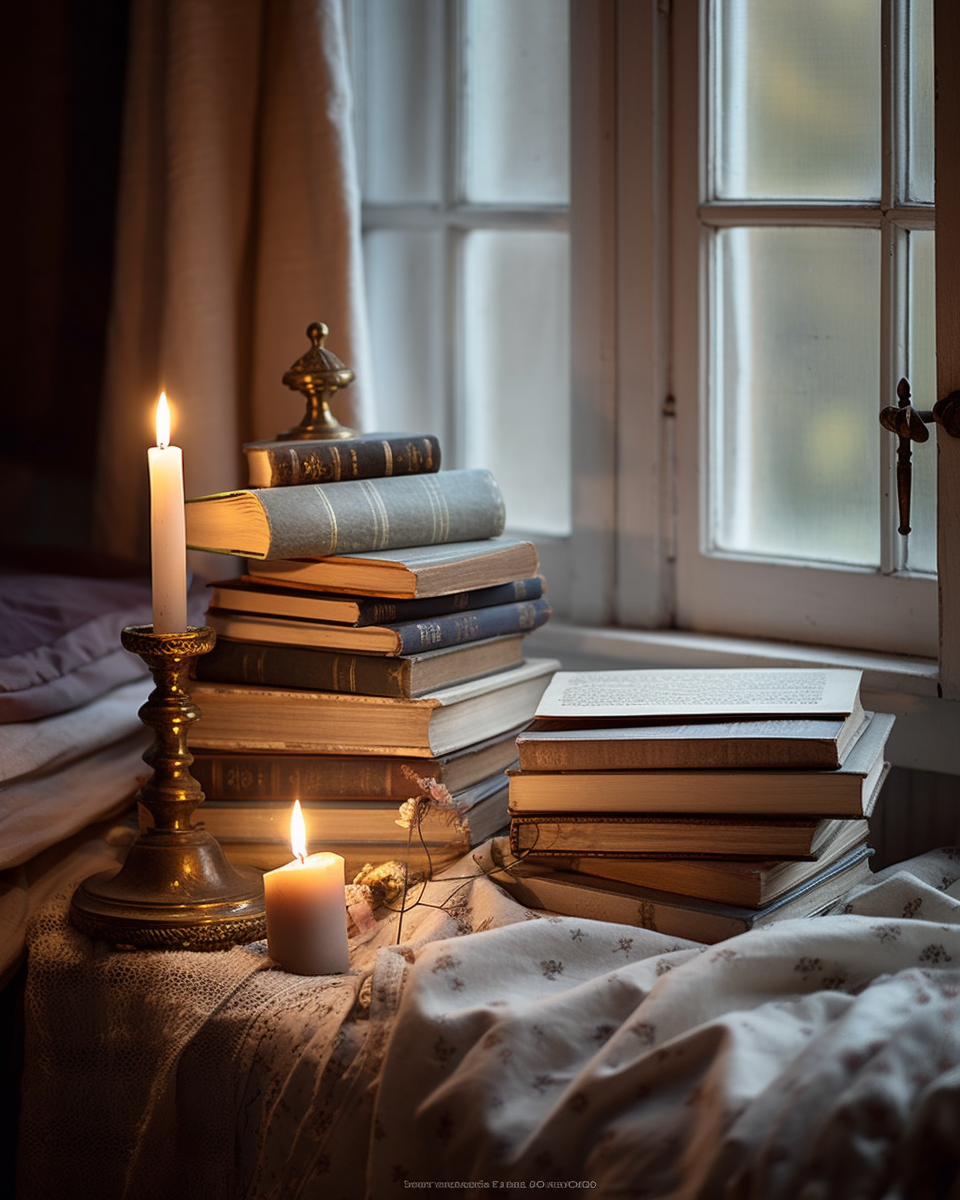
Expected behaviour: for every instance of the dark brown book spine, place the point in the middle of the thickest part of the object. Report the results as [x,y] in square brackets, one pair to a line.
[286,464]
[286,777]
[305,667]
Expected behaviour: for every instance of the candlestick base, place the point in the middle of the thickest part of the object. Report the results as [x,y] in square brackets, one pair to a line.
[175,889]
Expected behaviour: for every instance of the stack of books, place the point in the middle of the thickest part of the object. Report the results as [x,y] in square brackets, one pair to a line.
[377,632]
[698,803]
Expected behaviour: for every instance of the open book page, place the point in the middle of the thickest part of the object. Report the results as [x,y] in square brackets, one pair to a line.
[687,692]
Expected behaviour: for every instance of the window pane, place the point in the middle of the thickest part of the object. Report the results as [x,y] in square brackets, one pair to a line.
[516,371]
[797,99]
[516,122]
[404,282]
[920,103]
[922,373]
[400,80]
[794,463]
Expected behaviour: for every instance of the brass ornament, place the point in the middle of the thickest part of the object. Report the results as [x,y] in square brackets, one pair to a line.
[176,889]
[318,375]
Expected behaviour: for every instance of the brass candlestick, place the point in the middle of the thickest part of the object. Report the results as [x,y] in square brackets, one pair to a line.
[176,889]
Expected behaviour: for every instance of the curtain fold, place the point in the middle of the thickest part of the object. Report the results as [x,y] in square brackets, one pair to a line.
[238,225]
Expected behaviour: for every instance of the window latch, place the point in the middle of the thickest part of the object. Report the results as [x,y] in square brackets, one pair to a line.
[910,425]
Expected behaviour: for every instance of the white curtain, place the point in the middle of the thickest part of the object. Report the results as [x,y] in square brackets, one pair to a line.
[238,226]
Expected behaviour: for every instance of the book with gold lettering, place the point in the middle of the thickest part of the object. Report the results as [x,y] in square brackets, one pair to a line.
[398,675]
[395,638]
[278,463]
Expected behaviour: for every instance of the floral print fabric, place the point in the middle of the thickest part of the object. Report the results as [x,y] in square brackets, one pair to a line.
[492,1048]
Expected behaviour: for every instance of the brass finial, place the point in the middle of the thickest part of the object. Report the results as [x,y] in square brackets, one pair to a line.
[318,375]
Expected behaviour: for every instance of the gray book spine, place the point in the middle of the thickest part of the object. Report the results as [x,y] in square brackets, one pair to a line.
[315,520]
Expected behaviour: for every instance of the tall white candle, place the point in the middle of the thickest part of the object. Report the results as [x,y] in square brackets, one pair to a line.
[168,538]
[306,909]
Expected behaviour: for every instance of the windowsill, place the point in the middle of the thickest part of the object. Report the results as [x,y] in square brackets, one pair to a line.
[925,735]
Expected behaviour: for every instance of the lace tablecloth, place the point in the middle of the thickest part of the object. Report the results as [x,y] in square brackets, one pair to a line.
[492,1047]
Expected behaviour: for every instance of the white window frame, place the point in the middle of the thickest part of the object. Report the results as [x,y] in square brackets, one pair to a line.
[725,592]
[612,581]
[632,65]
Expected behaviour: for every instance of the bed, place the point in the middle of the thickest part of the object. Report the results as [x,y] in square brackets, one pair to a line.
[474,1045]
[497,1048]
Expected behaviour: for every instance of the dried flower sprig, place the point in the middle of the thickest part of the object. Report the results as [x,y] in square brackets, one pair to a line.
[372,888]
[380,886]
[434,797]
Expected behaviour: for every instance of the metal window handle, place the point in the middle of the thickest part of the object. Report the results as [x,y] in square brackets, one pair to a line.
[910,425]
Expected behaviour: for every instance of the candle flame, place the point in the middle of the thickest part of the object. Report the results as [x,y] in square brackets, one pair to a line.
[163,421]
[298,832]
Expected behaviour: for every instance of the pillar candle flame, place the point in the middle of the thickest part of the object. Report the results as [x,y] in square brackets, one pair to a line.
[306,909]
[298,832]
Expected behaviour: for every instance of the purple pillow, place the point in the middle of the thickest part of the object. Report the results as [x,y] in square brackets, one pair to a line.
[60,639]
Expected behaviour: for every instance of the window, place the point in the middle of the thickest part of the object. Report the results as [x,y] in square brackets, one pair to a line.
[702,449]
[464,154]
[816,280]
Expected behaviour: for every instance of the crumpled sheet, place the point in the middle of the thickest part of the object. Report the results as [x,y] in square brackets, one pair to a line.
[815,1058]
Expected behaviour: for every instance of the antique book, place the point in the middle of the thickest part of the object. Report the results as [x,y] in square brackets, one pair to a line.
[811,743]
[682,837]
[236,715]
[680,916]
[409,571]
[399,637]
[313,520]
[264,775]
[364,674]
[483,807]
[418,859]
[368,456]
[845,791]
[732,881]
[252,596]
[581,697]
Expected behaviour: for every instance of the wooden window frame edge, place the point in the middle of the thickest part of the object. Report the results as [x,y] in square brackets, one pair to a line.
[946,18]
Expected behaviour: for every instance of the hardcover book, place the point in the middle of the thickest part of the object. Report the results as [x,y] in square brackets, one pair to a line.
[483,807]
[732,881]
[316,520]
[402,675]
[582,697]
[810,743]
[845,791]
[416,858]
[680,916]
[680,837]
[250,596]
[370,456]
[409,572]
[273,776]
[400,637]
[266,718]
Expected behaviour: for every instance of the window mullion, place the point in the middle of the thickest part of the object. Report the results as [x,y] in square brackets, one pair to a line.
[891,307]
[454,400]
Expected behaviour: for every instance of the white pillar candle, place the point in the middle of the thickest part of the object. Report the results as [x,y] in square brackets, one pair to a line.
[168,538]
[306,909]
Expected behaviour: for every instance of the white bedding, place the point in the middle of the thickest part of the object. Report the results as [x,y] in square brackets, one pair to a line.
[817,1058]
